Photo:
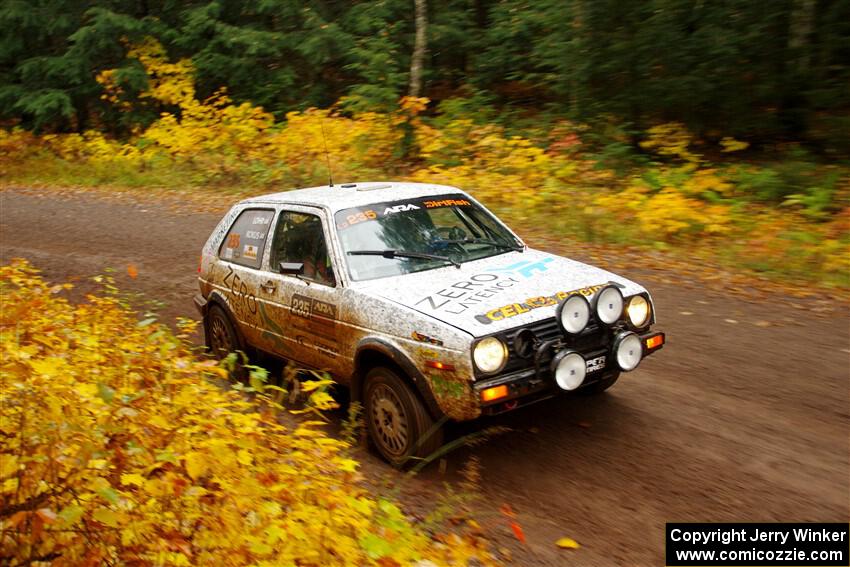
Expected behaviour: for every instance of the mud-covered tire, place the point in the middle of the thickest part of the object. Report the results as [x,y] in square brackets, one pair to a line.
[598,387]
[397,420]
[222,339]
[221,334]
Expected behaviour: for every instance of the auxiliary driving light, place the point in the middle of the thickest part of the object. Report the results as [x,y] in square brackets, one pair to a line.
[628,350]
[609,305]
[573,314]
[569,368]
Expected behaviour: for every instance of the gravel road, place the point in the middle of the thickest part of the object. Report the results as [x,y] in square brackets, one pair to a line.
[742,417]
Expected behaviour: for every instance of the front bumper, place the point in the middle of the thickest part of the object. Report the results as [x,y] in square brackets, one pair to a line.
[534,384]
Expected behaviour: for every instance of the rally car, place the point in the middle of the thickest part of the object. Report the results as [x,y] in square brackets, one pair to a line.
[418,299]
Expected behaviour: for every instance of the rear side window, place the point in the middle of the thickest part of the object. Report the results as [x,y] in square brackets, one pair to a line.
[246,240]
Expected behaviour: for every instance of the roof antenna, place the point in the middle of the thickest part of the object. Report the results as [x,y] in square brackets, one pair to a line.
[327,154]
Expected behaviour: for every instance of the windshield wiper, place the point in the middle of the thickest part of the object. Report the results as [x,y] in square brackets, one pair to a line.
[482,241]
[402,254]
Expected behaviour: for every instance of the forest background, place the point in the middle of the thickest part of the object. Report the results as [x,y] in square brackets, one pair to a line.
[717,129]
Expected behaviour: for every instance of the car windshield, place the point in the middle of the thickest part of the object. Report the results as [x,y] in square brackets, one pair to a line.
[399,237]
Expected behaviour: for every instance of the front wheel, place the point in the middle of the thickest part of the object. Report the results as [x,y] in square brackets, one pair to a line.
[399,426]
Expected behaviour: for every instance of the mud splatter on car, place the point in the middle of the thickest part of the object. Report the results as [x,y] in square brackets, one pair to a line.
[421,301]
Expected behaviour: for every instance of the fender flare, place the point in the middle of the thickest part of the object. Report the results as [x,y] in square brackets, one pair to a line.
[401,360]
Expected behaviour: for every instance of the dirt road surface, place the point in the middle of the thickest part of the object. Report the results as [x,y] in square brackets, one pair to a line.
[742,417]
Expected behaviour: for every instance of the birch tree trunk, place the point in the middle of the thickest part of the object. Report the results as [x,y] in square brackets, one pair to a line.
[419,47]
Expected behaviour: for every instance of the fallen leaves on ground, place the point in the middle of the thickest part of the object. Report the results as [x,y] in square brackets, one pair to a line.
[117,448]
[567,543]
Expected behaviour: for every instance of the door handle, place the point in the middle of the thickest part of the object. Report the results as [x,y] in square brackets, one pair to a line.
[268,287]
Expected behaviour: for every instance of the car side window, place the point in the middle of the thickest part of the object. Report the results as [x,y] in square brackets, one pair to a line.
[299,238]
[246,240]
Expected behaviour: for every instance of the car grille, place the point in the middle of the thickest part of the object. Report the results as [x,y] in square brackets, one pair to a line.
[545,330]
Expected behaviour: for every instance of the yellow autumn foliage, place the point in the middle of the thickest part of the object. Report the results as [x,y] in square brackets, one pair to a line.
[503,170]
[115,448]
[671,140]
[355,146]
[670,213]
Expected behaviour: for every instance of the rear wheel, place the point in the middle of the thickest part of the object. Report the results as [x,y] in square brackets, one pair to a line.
[222,335]
[397,420]
[223,340]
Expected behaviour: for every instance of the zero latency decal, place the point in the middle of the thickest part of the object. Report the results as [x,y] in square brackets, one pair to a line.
[462,295]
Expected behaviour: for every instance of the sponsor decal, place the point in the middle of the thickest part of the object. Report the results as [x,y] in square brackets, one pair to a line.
[514,309]
[526,268]
[351,217]
[228,253]
[462,295]
[400,208]
[262,219]
[595,364]
[447,203]
[422,338]
[358,217]
[233,240]
[314,316]
[243,302]
[250,251]
[255,235]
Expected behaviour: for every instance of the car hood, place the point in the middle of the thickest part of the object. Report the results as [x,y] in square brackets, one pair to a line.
[497,293]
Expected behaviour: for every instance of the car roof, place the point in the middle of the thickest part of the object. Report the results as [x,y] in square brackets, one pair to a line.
[347,195]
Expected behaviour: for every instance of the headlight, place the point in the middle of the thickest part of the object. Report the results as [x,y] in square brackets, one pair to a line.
[609,305]
[569,369]
[574,313]
[490,355]
[628,350]
[638,311]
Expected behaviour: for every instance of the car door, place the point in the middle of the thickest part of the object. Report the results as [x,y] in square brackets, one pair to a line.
[238,272]
[300,311]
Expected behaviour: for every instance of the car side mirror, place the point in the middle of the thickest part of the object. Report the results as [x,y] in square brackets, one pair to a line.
[291,268]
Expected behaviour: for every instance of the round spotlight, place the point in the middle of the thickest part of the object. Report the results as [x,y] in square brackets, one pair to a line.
[609,305]
[638,311]
[490,355]
[628,350]
[573,314]
[569,368]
